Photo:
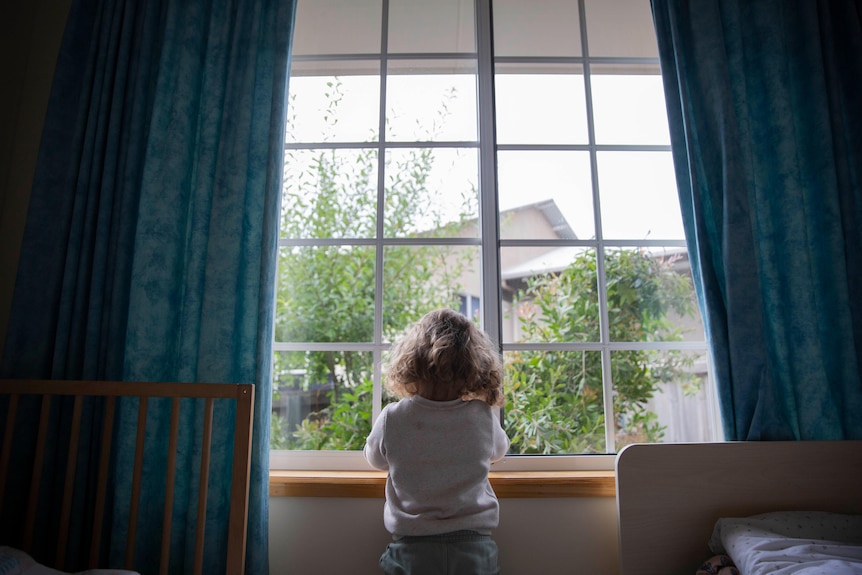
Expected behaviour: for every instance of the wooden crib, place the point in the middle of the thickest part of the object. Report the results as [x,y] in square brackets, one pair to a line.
[13,394]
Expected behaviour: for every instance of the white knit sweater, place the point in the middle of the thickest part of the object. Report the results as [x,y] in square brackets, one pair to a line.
[438,454]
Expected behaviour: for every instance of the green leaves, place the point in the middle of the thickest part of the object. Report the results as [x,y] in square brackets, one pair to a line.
[556,399]
[326,286]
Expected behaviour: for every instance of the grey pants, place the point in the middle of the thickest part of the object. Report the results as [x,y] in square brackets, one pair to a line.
[458,553]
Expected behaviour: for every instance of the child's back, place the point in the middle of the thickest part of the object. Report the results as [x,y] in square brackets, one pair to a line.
[438,454]
[438,444]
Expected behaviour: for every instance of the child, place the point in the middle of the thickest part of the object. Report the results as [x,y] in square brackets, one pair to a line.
[438,443]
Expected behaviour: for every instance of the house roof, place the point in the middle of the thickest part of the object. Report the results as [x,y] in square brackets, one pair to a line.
[554,216]
[552,261]
[557,259]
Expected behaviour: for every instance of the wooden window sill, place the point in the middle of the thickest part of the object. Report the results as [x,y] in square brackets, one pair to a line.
[506,484]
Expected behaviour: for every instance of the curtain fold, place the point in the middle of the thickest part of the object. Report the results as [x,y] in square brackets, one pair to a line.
[151,240]
[766,130]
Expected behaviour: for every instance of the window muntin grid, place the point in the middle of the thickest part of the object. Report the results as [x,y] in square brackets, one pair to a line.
[565,77]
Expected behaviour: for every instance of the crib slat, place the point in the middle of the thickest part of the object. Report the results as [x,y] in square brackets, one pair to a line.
[136,483]
[167,521]
[36,478]
[69,487]
[244,426]
[42,458]
[102,485]
[203,486]
[6,453]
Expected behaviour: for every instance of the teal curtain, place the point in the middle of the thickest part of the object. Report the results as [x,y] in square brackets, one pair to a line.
[151,240]
[764,102]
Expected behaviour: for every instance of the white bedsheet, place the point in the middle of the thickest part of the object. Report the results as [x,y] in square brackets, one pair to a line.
[16,562]
[791,542]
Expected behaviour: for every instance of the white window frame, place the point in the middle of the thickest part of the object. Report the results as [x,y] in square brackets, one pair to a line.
[491,243]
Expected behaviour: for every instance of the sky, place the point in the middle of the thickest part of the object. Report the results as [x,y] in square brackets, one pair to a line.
[637,188]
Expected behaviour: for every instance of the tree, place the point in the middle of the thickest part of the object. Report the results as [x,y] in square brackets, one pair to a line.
[555,399]
[326,292]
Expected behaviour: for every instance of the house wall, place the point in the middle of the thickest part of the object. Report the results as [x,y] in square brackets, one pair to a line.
[308,536]
[526,222]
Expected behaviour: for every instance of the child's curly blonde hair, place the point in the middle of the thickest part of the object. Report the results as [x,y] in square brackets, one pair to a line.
[446,356]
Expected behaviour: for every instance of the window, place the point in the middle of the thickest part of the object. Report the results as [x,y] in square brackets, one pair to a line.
[528,183]
[469,306]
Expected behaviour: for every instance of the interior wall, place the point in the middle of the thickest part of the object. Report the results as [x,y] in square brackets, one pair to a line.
[314,536]
[30,35]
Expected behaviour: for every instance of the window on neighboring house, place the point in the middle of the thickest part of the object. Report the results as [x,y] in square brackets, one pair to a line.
[469,306]
[528,184]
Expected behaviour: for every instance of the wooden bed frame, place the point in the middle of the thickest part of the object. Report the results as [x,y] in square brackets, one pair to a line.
[669,496]
[242,395]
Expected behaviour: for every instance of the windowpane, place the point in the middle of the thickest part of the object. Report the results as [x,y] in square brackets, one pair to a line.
[381,221]
[431,107]
[431,192]
[337,27]
[639,197]
[553,293]
[650,295]
[620,28]
[333,109]
[325,294]
[661,397]
[536,28]
[421,278]
[439,26]
[329,194]
[545,195]
[541,108]
[629,109]
[321,399]
[554,402]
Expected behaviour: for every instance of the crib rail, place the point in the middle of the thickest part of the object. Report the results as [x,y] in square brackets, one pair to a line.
[242,394]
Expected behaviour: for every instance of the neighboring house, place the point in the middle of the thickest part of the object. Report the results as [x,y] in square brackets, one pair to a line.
[686,416]
[539,221]
[544,221]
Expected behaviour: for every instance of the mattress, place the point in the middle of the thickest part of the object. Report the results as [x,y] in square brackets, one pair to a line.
[788,542]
